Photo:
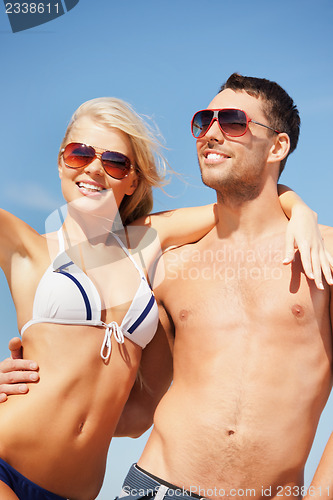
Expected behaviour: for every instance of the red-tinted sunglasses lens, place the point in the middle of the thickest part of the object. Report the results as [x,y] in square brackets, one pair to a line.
[233,122]
[116,164]
[78,155]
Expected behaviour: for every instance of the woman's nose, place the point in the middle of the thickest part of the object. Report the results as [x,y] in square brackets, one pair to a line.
[95,166]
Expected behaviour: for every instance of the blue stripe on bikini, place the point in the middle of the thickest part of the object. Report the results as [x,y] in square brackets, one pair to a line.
[80,287]
[142,316]
[64,266]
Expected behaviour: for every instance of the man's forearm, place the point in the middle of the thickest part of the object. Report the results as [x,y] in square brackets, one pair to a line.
[321,487]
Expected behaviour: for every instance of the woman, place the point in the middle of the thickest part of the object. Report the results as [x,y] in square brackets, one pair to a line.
[84,305]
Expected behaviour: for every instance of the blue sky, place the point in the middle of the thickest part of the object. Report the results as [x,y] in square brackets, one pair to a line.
[168,60]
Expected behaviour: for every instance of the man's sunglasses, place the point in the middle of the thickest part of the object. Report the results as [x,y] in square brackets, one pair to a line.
[77,155]
[232,122]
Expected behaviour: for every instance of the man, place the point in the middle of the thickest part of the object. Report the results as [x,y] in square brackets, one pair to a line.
[251,337]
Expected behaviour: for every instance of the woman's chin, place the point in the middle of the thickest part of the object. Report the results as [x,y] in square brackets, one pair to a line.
[101,203]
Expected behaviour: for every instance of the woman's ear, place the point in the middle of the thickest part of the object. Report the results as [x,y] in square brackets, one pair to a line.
[133,183]
[60,168]
[279,149]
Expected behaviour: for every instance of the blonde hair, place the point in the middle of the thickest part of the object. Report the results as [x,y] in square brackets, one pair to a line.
[150,164]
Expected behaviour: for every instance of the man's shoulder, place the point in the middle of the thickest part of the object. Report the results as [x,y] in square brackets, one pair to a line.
[170,264]
[324,228]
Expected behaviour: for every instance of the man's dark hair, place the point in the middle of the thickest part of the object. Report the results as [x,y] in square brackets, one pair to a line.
[279,108]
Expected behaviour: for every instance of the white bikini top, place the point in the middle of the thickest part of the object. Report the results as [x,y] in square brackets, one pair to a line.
[66,295]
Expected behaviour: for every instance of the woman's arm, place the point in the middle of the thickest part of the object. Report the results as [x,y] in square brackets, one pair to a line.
[181,226]
[187,225]
[15,238]
[303,234]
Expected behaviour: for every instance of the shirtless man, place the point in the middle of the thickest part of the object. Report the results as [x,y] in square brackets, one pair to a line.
[252,338]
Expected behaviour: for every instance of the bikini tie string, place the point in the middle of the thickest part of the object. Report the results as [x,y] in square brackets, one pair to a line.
[111,328]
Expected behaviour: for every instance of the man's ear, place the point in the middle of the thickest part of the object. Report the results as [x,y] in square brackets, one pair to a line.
[279,149]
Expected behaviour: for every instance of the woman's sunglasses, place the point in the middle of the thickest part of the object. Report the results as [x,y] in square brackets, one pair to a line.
[77,155]
[232,122]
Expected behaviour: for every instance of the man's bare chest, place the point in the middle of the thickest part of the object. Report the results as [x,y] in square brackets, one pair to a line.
[249,292]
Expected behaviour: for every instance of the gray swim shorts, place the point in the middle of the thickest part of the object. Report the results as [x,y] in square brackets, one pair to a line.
[139,484]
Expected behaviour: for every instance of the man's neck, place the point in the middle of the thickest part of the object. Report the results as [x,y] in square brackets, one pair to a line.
[249,220]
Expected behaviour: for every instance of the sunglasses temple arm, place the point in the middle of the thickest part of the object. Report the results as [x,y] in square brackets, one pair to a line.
[266,126]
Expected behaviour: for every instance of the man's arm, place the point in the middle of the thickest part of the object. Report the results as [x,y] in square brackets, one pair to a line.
[322,484]
[155,376]
[15,372]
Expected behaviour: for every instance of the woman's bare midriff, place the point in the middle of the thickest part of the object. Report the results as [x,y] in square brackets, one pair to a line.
[59,433]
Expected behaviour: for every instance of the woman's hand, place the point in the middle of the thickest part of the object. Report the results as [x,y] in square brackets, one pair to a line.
[303,233]
[15,372]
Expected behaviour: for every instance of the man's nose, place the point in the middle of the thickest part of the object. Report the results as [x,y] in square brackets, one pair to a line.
[214,133]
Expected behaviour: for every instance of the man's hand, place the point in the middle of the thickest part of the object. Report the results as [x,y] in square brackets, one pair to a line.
[15,372]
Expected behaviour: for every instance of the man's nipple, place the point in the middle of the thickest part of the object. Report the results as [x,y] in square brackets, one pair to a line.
[297,310]
[183,315]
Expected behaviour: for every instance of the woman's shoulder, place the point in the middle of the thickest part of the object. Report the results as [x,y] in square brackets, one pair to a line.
[139,234]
